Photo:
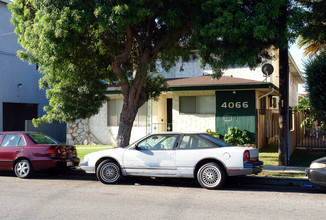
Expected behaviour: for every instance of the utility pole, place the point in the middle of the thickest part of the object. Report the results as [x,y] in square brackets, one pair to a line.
[283,91]
[283,107]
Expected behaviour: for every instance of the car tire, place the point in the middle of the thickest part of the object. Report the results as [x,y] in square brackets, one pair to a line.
[108,172]
[23,168]
[211,176]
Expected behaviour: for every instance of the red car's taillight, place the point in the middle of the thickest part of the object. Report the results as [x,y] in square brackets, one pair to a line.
[246,156]
[52,152]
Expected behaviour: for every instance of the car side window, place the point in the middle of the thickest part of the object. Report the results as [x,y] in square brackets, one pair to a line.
[12,140]
[158,142]
[194,142]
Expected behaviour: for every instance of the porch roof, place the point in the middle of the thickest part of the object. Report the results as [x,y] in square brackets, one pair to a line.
[206,82]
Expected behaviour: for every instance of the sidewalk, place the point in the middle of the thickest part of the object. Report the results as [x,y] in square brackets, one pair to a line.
[286,169]
[296,182]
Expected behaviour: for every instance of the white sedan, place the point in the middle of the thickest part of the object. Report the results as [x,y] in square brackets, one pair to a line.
[171,154]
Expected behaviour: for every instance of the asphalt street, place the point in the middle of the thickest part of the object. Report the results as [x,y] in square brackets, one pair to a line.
[80,196]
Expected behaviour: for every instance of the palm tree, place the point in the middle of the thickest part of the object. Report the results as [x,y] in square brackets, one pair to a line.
[312,47]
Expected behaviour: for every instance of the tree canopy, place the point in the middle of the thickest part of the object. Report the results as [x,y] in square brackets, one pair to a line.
[313,35]
[82,46]
[316,84]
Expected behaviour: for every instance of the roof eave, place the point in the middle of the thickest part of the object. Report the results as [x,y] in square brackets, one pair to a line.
[244,86]
[296,74]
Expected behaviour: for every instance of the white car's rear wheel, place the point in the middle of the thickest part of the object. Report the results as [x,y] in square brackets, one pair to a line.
[108,172]
[211,176]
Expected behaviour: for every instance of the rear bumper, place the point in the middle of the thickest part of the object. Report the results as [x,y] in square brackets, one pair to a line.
[55,163]
[317,176]
[252,167]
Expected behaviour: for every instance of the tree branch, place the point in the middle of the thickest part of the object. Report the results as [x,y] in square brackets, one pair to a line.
[174,34]
[122,57]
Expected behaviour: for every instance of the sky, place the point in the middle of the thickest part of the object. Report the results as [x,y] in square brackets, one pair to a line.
[298,57]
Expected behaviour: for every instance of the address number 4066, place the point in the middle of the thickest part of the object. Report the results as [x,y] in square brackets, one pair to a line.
[235,105]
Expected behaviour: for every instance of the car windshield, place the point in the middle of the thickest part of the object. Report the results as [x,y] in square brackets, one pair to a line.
[216,140]
[39,138]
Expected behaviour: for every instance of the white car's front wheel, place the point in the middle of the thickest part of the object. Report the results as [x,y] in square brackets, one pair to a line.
[211,176]
[108,172]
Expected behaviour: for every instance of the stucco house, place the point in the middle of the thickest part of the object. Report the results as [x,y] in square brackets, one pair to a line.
[197,102]
[20,96]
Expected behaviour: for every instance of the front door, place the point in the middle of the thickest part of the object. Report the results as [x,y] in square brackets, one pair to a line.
[154,156]
[169,114]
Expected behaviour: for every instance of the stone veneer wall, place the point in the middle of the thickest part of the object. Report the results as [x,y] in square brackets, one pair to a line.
[78,133]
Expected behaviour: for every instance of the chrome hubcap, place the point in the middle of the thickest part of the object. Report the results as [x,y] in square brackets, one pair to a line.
[110,172]
[22,169]
[210,176]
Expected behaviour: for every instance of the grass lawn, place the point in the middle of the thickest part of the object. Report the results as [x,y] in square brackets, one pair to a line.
[93,146]
[82,150]
[269,158]
[300,158]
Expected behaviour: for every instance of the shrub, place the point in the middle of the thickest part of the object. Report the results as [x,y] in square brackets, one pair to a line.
[237,137]
[215,134]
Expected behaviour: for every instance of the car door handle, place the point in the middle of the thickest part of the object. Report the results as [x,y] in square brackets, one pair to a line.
[17,151]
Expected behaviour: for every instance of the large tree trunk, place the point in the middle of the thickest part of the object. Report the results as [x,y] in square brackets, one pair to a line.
[127,117]
[133,99]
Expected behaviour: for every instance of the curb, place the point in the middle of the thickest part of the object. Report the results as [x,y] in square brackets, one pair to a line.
[253,180]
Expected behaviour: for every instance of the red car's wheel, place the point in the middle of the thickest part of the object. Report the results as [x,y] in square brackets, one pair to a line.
[23,168]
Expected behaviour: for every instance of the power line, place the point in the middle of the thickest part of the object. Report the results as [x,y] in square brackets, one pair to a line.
[6,33]
[6,53]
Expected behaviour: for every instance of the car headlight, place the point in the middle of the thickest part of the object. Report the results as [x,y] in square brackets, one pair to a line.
[317,165]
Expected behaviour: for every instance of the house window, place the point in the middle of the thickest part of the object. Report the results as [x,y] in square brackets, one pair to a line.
[197,104]
[187,104]
[114,111]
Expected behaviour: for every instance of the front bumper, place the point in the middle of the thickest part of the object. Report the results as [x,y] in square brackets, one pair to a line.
[317,176]
[88,169]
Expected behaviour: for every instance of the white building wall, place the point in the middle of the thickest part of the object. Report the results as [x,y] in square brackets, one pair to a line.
[185,69]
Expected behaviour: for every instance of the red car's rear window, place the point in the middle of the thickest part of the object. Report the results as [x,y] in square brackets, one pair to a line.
[39,138]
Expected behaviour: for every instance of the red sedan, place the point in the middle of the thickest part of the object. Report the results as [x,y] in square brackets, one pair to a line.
[26,152]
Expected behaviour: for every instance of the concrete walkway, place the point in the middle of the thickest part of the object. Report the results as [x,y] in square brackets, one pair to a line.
[286,169]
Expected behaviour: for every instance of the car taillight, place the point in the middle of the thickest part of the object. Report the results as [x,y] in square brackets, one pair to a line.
[246,156]
[52,152]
